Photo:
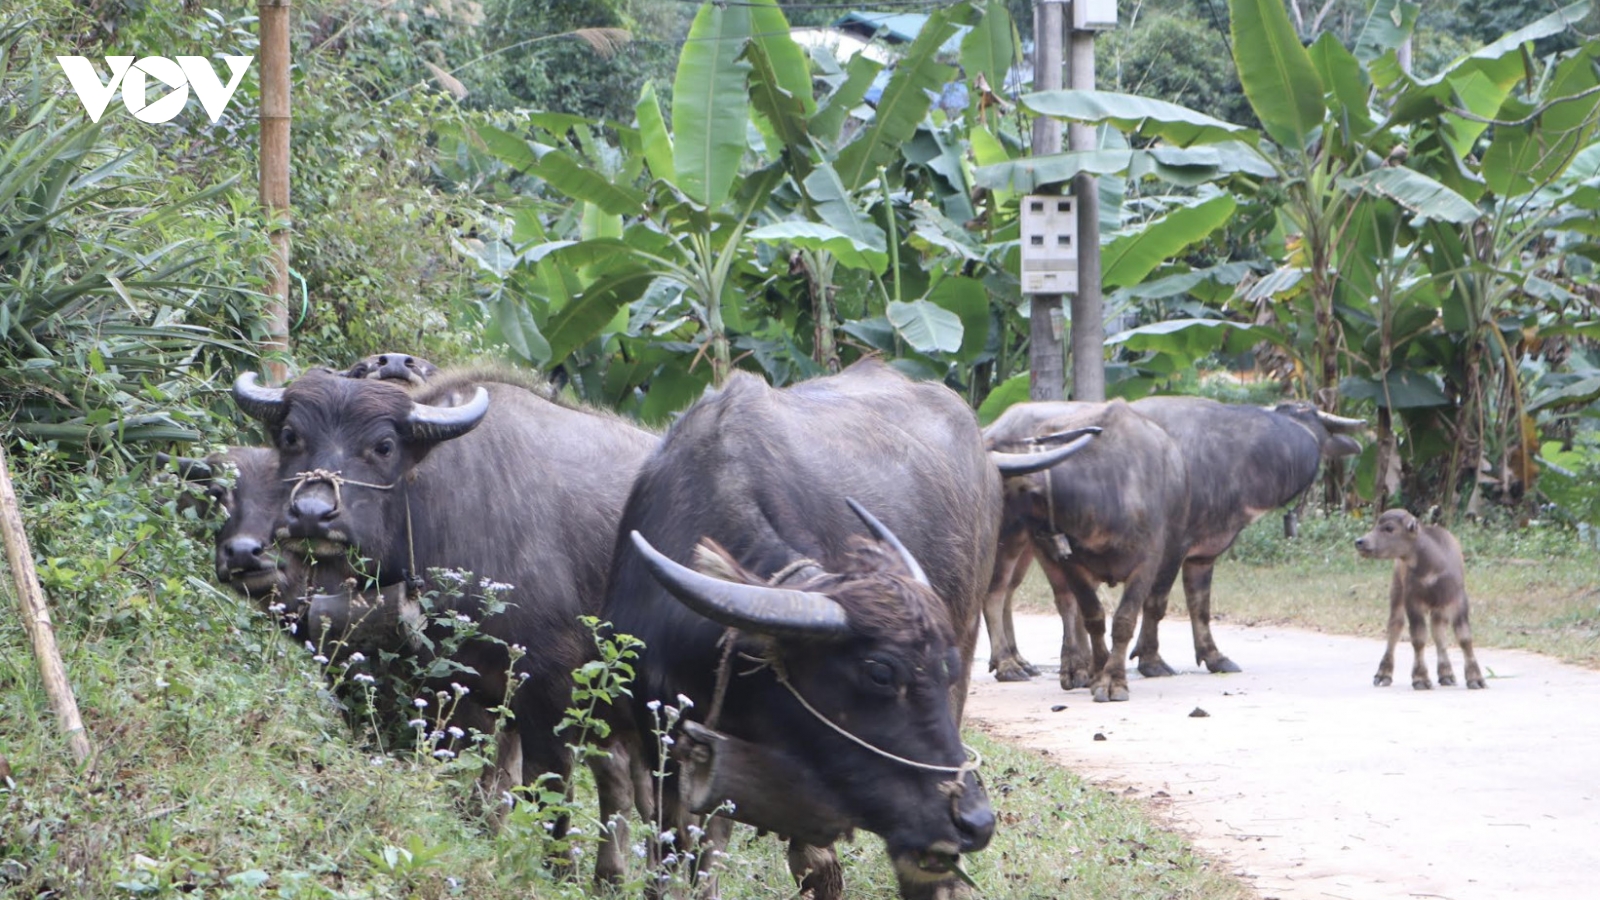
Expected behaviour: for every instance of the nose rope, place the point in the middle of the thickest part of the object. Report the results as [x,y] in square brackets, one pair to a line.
[337,481]
[333,478]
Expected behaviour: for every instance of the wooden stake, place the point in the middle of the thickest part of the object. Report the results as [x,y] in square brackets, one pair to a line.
[275,175]
[36,617]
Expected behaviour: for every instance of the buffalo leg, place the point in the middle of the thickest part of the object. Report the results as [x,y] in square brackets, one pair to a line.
[816,870]
[1197,595]
[1010,564]
[614,785]
[1111,684]
[1417,617]
[1083,622]
[1447,674]
[1397,619]
[1463,631]
[1148,648]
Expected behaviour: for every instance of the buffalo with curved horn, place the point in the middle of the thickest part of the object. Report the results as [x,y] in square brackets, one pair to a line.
[474,472]
[754,516]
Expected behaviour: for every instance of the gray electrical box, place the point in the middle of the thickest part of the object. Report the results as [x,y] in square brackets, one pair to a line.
[1049,245]
[1094,15]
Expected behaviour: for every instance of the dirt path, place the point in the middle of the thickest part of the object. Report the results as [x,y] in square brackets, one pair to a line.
[1313,784]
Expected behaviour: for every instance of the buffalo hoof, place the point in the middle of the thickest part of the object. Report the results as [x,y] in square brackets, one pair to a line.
[1223,665]
[1476,683]
[1447,680]
[1381,680]
[1421,684]
[1077,678]
[1109,693]
[1152,666]
[1010,671]
[1030,668]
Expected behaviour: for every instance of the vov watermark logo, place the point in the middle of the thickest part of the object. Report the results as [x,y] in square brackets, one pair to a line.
[187,72]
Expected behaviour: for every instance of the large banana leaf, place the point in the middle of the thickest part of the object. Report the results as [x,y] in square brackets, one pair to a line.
[816,236]
[1275,71]
[1128,259]
[904,103]
[990,47]
[709,105]
[1388,24]
[654,139]
[1141,116]
[1423,196]
[770,31]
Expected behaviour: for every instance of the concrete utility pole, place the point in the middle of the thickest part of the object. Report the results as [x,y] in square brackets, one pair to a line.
[1045,362]
[1088,313]
[275,176]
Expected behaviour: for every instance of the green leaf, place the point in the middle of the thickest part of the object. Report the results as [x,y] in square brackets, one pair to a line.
[926,326]
[989,48]
[1424,197]
[578,181]
[969,300]
[510,149]
[519,330]
[588,314]
[1523,157]
[672,389]
[653,135]
[1388,25]
[834,206]
[830,117]
[1342,75]
[1029,174]
[1141,116]
[770,31]
[903,105]
[1401,389]
[1190,339]
[816,236]
[709,106]
[1012,391]
[1129,258]
[1275,71]
[783,111]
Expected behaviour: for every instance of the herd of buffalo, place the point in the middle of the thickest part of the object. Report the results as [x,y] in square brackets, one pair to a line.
[805,566]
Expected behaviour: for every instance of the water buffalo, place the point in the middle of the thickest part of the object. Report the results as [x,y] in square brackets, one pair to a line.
[475,471]
[1113,513]
[1243,462]
[841,532]
[1429,587]
[401,367]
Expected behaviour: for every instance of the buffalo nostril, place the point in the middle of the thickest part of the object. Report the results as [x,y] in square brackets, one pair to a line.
[976,826]
[243,552]
[312,511]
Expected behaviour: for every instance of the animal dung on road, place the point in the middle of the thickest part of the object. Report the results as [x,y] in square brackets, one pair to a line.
[1199,713]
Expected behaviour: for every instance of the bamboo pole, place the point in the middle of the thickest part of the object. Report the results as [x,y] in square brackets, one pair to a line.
[275,176]
[36,617]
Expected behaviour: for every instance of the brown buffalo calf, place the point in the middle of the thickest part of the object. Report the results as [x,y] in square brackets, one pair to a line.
[1428,585]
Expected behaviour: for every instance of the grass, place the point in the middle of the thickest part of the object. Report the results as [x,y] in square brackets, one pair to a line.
[1531,588]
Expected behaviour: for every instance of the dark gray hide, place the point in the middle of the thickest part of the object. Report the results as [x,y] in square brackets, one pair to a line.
[529,497]
[1243,461]
[1120,505]
[765,473]
[250,506]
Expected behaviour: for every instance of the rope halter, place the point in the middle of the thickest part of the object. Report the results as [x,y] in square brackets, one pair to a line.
[332,478]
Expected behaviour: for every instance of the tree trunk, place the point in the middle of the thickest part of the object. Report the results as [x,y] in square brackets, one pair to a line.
[275,178]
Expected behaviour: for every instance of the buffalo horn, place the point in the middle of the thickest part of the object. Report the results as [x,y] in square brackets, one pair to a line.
[189,468]
[263,404]
[1013,464]
[882,533]
[779,612]
[441,423]
[1340,424]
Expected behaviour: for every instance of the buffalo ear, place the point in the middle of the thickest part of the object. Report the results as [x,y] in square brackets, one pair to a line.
[1340,446]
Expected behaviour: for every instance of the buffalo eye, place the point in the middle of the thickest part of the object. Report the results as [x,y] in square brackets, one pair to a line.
[288,440]
[384,447]
[878,673]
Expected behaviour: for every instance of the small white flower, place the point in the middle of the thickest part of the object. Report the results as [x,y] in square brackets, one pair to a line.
[418,724]
[364,678]
[671,859]
[684,702]
[276,609]
[357,657]
[460,690]
[456,733]
[668,837]
[320,660]
[161,683]
[507,799]
[442,753]
[436,736]
[310,647]
[667,741]
[653,705]
[519,650]
[376,761]
[420,703]
[695,831]
[638,850]
[463,617]
[522,676]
